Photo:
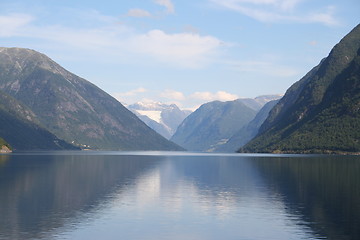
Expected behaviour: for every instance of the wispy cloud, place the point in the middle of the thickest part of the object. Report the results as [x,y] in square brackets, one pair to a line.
[326,17]
[134,92]
[209,96]
[10,25]
[170,9]
[279,11]
[131,96]
[189,101]
[194,100]
[172,95]
[185,50]
[136,12]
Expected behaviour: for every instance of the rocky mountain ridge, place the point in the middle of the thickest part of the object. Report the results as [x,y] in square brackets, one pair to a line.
[72,108]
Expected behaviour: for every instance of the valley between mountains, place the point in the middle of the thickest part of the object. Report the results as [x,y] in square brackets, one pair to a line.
[45,107]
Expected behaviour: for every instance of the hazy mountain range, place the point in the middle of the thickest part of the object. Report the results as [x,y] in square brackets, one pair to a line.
[213,123]
[247,132]
[68,107]
[318,114]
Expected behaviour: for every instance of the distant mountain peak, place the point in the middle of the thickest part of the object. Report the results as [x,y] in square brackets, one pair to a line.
[213,123]
[163,118]
[151,105]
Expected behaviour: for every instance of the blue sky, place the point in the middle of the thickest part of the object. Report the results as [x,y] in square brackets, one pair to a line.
[184,52]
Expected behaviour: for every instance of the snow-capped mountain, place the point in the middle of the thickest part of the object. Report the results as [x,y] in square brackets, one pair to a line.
[161,117]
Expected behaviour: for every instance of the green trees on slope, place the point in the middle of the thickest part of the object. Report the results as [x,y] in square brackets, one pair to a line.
[324,117]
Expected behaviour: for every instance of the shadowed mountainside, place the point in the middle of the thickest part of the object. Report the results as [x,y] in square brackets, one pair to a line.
[321,112]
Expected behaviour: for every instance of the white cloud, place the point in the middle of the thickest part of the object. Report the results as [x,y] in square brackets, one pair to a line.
[185,50]
[172,95]
[326,17]
[136,12]
[130,96]
[278,11]
[209,96]
[169,96]
[288,4]
[10,25]
[133,92]
[167,4]
[225,96]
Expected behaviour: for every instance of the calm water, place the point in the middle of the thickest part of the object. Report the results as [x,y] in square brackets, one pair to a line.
[110,195]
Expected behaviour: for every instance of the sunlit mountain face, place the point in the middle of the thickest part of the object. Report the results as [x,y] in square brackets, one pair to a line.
[72,108]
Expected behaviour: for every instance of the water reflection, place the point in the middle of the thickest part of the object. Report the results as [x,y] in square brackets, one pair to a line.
[39,193]
[173,196]
[324,191]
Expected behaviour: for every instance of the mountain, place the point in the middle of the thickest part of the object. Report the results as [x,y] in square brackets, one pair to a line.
[4,146]
[249,131]
[258,102]
[264,99]
[212,124]
[72,108]
[163,118]
[20,128]
[321,112]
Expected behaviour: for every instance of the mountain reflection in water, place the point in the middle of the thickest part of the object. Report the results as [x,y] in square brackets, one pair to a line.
[178,196]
